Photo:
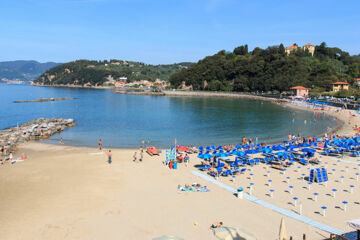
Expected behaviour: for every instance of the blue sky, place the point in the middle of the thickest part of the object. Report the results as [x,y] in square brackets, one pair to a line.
[168,31]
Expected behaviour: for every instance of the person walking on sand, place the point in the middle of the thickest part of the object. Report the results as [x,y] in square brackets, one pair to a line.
[100,144]
[134,157]
[109,157]
[141,156]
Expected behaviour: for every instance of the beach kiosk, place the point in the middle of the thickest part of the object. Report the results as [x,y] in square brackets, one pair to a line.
[356,225]
[170,158]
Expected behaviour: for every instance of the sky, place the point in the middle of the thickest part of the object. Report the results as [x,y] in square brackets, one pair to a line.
[169,31]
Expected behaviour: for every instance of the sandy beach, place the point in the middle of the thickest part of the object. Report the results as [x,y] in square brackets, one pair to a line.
[64,192]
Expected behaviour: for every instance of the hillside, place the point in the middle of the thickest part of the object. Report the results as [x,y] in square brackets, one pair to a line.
[22,70]
[270,69]
[97,73]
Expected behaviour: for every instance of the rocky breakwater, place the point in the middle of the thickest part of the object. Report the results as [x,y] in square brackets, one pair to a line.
[37,129]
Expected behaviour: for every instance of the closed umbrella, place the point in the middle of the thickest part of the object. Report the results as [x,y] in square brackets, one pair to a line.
[282,232]
[167,237]
[231,233]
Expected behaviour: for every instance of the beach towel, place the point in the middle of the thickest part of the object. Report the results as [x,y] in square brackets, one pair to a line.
[97,153]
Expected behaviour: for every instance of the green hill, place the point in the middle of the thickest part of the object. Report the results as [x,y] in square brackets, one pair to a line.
[269,69]
[23,70]
[81,72]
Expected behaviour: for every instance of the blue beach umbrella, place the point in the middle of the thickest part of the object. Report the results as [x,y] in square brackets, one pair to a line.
[308,150]
[239,153]
[266,150]
[221,154]
[282,154]
[252,151]
[357,139]
[205,156]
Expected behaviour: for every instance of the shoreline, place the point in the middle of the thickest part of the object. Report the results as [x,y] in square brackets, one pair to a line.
[342,127]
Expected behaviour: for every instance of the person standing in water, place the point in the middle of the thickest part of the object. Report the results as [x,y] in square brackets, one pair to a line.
[100,144]
[109,157]
[61,140]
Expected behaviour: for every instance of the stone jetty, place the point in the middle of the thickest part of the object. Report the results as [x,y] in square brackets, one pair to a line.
[43,100]
[37,129]
[147,93]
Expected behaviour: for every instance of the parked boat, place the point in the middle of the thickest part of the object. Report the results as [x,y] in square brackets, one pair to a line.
[152,151]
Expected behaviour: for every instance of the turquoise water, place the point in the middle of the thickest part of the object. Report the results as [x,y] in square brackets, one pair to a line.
[123,121]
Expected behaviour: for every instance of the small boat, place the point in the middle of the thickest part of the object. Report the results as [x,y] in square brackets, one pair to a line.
[152,151]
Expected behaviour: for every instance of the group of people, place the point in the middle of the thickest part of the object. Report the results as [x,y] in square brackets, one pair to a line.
[141,155]
[245,141]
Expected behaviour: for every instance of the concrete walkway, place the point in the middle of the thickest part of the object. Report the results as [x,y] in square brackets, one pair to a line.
[273,207]
[345,161]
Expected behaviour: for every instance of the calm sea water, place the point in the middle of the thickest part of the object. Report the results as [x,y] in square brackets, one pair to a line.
[125,120]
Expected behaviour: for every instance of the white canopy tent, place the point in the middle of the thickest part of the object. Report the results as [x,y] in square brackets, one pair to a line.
[356,225]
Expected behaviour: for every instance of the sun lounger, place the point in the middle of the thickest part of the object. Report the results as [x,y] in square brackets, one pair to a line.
[278,167]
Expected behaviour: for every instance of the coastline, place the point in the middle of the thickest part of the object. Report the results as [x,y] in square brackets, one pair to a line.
[91,199]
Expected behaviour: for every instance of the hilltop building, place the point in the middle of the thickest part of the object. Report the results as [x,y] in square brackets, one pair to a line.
[308,46]
[300,91]
[291,48]
[357,81]
[337,86]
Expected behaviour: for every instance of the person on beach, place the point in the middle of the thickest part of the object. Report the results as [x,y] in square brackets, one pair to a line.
[109,156]
[61,140]
[134,157]
[216,225]
[141,156]
[186,159]
[100,144]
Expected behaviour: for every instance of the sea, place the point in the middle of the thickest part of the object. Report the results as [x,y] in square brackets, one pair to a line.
[124,121]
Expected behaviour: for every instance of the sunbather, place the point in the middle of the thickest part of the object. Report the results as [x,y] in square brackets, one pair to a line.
[216,225]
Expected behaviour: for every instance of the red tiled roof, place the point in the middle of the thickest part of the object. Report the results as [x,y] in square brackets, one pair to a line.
[340,83]
[308,44]
[292,46]
[299,87]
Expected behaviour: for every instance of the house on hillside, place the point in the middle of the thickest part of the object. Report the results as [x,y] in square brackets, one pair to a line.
[291,48]
[310,48]
[300,91]
[337,86]
[357,81]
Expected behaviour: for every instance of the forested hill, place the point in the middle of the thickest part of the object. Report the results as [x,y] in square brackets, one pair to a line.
[96,73]
[23,70]
[269,69]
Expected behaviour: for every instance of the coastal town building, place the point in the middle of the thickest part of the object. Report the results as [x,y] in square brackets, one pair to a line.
[310,47]
[337,86]
[300,91]
[357,81]
[291,48]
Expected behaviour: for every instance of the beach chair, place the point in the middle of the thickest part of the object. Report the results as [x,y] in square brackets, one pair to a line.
[204,167]
[227,173]
[303,161]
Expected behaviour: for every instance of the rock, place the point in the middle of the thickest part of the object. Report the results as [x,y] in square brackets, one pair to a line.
[35,129]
